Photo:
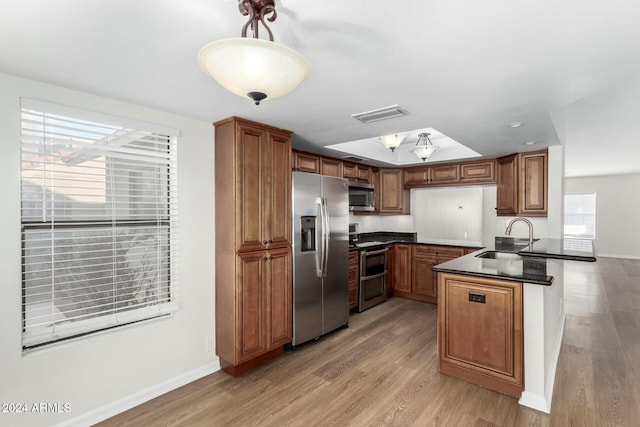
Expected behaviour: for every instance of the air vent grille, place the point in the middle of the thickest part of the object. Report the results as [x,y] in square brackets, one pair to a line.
[353,159]
[381,114]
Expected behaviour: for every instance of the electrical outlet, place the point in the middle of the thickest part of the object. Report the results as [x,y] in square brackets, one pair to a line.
[208,345]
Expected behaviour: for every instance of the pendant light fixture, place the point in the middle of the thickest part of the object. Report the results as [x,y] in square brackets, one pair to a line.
[391,141]
[424,147]
[252,67]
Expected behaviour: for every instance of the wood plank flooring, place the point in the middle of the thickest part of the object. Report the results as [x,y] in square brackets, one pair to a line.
[382,370]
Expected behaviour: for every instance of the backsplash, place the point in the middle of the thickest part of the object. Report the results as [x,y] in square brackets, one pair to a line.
[371,223]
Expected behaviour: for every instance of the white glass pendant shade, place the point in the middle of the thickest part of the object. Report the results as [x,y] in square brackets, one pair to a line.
[391,141]
[424,152]
[424,148]
[245,65]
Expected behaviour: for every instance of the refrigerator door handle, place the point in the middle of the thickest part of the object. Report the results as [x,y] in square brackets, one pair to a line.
[320,254]
[326,231]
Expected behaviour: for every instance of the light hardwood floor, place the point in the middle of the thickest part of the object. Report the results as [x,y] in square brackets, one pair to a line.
[382,370]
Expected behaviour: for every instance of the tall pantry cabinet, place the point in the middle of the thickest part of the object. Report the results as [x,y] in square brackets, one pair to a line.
[253,242]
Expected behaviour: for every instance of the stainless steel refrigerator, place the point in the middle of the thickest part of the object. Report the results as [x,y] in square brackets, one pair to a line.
[320,255]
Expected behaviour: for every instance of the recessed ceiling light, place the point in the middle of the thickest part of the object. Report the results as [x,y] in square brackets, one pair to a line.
[530,142]
[515,124]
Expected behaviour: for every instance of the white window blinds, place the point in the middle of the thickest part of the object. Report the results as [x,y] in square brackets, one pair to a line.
[98,221]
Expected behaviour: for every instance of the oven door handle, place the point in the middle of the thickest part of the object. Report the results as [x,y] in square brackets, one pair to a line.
[375,276]
[381,251]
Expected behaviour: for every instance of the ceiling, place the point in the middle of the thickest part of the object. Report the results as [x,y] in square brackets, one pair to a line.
[569,69]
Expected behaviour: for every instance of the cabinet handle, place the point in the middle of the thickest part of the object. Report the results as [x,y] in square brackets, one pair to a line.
[270,241]
[265,259]
[270,258]
[264,242]
[476,297]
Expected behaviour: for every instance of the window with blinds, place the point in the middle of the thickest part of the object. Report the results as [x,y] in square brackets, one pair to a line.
[99,215]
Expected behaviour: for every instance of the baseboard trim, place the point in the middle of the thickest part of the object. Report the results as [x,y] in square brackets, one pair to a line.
[114,408]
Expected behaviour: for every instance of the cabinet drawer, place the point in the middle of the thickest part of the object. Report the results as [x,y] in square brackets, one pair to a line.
[353,258]
[424,251]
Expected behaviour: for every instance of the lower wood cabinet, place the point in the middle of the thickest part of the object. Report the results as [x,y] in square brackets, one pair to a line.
[480,331]
[412,269]
[258,311]
[353,278]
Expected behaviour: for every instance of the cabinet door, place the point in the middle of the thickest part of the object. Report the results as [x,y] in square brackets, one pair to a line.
[480,331]
[279,303]
[277,192]
[444,174]
[416,177]
[478,172]
[533,180]
[250,306]
[507,190]
[349,171]
[353,279]
[251,170]
[424,282]
[391,191]
[306,162]
[363,173]
[331,167]
[402,268]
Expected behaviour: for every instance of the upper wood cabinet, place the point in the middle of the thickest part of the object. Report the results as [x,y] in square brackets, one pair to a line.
[522,184]
[477,172]
[306,162]
[357,172]
[533,183]
[330,167]
[263,190]
[393,197]
[253,242]
[482,172]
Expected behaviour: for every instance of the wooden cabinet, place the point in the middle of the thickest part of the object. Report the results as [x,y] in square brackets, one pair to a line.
[464,173]
[480,172]
[393,197]
[330,167]
[533,183]
[444,174]
[413,275]
[353,278]
[356,172]
[522,184]
[480,331]
[400,269]
[253,242]
[306,162]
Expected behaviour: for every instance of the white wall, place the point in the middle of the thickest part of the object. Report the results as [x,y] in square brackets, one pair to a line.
[617,208]
[103,374]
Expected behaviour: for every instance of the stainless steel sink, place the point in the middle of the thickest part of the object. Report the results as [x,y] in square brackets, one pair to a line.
[500,255]
[506,263]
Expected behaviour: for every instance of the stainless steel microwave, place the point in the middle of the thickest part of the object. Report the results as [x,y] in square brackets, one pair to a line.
[360,197]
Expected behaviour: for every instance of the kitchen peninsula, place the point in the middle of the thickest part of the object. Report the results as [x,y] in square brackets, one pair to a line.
[501,316]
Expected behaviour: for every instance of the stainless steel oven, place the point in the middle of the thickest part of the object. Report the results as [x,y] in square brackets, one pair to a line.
[373,274]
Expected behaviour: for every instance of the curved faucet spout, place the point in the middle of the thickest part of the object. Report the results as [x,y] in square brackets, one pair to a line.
[526,221]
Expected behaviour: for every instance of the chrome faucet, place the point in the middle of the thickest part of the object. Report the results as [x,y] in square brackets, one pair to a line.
[525,220]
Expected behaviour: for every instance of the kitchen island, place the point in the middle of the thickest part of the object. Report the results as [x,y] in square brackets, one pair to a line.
[501,316]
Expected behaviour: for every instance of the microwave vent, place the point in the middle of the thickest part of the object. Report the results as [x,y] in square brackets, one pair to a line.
[381,114]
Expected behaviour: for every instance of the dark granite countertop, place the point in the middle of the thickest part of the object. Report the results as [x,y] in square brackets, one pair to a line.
[504,269]
[567,249]
[391,237]
[522,262]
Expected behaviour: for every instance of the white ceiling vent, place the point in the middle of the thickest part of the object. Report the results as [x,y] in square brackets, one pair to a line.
[381,114]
